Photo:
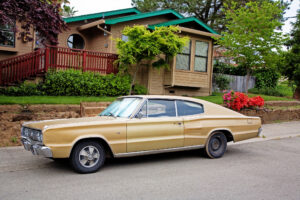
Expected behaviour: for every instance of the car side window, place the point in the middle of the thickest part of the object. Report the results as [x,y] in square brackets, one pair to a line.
[185,108]
[143,112]
[161,108]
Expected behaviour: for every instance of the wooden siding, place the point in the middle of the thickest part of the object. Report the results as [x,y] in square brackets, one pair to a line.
[156,81]
[191,79]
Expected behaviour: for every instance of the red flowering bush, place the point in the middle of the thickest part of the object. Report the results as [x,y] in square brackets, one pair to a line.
[238,100]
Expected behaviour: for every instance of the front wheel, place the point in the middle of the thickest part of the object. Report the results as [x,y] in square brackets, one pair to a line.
[87,157]
[216,145]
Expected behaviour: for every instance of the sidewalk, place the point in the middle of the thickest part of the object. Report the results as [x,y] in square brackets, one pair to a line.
[277,131]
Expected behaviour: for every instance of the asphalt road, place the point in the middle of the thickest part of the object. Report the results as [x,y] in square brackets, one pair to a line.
[258,170]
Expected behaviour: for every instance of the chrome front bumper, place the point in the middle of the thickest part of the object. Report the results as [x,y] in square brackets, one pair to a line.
[36,148]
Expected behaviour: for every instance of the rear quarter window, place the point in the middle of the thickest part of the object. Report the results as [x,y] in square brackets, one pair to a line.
[185,108]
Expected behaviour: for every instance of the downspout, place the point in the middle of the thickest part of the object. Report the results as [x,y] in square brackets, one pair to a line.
[107,32]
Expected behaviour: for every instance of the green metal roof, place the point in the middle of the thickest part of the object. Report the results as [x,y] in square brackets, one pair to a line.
[101,14]
[183,20]
[142,15]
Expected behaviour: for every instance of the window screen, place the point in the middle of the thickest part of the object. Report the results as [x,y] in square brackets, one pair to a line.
[183,59]
[188,108]
[201,55]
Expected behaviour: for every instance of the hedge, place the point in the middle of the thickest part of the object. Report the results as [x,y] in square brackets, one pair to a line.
[77,83]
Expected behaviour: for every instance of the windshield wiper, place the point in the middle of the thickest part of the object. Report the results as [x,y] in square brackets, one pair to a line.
[111,114]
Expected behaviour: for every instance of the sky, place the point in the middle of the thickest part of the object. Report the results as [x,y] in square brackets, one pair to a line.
[94,6]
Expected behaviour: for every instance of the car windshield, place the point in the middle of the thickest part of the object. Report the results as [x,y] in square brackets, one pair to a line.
[122,107]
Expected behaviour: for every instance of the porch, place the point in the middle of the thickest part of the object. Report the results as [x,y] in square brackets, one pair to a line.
[19,68]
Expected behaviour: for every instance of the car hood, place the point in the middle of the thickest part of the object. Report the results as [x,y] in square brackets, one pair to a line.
[70,122]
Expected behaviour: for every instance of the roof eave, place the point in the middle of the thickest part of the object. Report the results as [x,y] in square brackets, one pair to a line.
[101,14]
[184,20]
[142,16]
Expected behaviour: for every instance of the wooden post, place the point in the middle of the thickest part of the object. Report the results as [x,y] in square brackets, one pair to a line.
[47,51]
[0,74]
[84,61]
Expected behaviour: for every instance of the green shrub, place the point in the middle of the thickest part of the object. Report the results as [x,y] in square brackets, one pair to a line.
[223,68]
[25,89]
[74,83]
[77,83]
[221,81]
[266,78]
[277,91]
[139,89]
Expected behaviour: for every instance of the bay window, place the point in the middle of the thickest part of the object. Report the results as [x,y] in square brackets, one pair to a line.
[196,50]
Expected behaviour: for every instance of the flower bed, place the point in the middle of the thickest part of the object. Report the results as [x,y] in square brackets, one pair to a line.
[238,101]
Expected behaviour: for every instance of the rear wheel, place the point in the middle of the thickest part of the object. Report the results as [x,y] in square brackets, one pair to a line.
[216,145]
[87,157]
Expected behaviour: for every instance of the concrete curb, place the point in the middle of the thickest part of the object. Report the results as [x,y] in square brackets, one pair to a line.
[260,139]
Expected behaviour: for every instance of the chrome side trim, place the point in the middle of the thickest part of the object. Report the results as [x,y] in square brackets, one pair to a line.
[141,153]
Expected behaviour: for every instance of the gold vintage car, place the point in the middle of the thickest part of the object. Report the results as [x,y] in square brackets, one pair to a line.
[139,125]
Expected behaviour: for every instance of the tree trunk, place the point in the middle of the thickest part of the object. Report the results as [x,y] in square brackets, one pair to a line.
[297,93]
[247,80]
[133,79]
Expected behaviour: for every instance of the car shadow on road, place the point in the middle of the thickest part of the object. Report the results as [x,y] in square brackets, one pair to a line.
[64,166]
[163,157]
[174,156]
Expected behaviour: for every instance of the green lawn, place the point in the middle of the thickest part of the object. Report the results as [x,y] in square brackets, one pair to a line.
[51,99]
[215,98]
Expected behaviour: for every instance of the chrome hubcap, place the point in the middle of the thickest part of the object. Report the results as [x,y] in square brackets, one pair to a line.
[216,144]
[89,156]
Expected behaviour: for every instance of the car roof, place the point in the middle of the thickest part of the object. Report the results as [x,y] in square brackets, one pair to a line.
[168,97]
[210,108]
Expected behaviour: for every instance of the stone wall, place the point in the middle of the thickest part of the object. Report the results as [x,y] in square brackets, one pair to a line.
[88,109]
[271,116]
[12,116]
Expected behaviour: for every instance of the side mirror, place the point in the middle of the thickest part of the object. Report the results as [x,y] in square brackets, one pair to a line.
[139,115]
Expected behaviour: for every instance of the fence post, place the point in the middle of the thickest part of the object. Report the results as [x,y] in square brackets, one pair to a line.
[0,74]
[47,52]
[84,61]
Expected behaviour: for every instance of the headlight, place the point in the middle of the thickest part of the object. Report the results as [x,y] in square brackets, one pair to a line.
[32,134]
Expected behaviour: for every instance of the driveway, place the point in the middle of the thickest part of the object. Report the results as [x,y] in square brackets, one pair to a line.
[255,170]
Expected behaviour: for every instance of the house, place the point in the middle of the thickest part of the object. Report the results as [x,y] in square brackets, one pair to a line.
[220,57]
[190,72]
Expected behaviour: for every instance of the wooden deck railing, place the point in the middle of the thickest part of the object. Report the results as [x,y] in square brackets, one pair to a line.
[56,58]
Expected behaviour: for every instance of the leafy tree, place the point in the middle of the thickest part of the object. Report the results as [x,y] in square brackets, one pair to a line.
[251,38]
[69,11]
[41,15]
[66,9]
[291,66]
[209,11]
[143,45]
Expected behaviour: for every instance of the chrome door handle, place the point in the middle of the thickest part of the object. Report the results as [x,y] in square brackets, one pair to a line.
[178,123]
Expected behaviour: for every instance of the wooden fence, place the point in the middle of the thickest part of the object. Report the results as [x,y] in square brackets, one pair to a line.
[56,58]
[237,83]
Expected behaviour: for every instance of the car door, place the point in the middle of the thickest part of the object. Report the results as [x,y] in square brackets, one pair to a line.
[155,127]
[194,122]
